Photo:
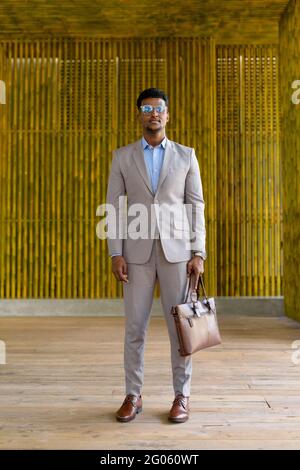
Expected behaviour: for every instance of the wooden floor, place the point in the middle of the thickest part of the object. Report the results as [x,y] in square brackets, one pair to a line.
[63,382]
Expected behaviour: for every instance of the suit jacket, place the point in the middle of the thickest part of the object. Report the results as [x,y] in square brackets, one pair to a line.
[179,188]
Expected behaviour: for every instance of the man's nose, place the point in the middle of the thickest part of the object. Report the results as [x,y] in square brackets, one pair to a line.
[154,111]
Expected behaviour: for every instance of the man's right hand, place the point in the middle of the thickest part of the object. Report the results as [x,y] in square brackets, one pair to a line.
[119,268]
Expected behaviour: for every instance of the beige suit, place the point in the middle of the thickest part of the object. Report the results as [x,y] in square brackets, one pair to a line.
[155,256]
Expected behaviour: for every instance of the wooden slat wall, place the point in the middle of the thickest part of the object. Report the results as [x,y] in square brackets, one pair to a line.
[69,104]
[289,29]
[249,206]
[229,21]
[3,170]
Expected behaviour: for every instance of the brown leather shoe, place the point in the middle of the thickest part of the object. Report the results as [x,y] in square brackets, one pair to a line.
[179,412]
[132,405]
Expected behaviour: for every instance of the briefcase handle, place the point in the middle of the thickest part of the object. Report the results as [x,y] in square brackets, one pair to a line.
[195,291]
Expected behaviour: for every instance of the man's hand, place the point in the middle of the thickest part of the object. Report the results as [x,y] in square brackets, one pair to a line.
[119,268]
[195,266]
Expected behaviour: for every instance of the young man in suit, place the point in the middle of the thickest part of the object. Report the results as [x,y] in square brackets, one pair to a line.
[155,173]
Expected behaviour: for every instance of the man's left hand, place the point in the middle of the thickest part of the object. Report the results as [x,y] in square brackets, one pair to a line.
[195,266]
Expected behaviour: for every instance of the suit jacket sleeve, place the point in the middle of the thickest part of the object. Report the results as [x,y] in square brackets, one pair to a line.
[115,190]
[194,197]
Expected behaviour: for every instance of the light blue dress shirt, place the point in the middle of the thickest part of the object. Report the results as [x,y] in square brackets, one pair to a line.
[154,157]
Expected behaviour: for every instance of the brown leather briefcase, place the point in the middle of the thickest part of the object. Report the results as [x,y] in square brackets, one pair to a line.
[196,322]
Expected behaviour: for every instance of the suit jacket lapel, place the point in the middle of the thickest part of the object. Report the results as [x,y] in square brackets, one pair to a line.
[138,156]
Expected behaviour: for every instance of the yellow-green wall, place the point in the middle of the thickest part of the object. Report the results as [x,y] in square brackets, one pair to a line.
[70,102]
[290,115]
[249,205]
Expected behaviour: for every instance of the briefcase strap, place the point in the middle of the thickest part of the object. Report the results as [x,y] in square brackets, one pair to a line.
[190,290]
[203,288]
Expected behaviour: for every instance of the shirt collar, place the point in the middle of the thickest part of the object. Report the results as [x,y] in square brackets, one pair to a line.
[162,144]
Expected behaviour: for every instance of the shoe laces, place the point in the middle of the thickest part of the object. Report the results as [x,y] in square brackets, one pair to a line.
[180,401]
[130,399]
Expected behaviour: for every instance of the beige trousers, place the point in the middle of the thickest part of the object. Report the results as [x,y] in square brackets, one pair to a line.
[138,299]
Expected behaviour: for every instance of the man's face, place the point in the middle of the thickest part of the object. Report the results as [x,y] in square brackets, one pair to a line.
[154,121]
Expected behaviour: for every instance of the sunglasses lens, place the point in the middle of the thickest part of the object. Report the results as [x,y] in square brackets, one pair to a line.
[147,108]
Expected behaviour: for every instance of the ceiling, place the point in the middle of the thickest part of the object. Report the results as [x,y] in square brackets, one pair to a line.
[230,21]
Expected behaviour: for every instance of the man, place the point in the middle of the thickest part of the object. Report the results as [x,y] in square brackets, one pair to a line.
[155,172]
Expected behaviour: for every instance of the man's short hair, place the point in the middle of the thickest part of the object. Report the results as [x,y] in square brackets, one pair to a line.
[152,93]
